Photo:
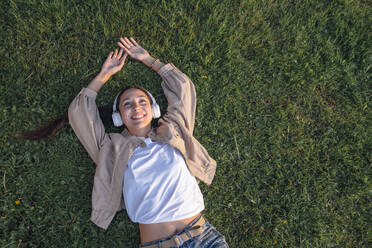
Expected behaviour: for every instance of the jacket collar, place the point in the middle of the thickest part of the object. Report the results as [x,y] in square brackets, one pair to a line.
[125,133]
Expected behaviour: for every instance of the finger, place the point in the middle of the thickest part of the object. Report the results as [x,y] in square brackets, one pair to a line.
[121,45]
[125,44]
[122,60]
[128,41]
[116,53]
[110,55]
[127,51]
[120,53]
[122,39]
[134,42]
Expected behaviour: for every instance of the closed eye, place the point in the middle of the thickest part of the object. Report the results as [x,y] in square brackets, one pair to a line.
[129,104]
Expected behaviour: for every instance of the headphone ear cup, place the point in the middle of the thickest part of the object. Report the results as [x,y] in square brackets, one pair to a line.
[116,119]
[155,110]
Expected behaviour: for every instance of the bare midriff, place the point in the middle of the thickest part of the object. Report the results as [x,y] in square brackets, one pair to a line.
[156,231]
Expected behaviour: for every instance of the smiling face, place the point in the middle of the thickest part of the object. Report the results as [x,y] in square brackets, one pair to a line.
[136,113]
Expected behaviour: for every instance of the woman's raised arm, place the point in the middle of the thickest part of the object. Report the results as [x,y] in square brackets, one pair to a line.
[83,114]
[137,52]
[178,88]
[113,63]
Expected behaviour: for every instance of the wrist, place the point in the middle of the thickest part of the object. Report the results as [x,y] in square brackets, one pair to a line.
[97,83]
[103,77]
[148,61]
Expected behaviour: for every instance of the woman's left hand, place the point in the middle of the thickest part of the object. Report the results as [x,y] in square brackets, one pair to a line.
[134,50]
[114,62]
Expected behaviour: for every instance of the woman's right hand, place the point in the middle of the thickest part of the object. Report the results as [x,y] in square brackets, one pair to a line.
[134,50]
[113,63]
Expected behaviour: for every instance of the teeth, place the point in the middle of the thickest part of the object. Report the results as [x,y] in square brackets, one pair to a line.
[137,116]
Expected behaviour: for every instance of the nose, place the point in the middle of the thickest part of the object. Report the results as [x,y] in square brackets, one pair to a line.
[136,106]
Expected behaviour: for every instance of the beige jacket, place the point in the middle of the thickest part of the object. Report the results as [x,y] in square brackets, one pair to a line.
[111,151]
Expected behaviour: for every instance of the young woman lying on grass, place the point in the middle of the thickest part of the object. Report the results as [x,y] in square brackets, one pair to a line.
[151,171]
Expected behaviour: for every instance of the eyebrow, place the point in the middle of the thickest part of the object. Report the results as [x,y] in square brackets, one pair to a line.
[125,99]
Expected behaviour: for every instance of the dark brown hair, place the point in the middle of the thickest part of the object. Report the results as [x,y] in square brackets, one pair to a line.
[50,129]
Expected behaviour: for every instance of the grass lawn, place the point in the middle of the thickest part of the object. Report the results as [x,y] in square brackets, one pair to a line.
[284,107]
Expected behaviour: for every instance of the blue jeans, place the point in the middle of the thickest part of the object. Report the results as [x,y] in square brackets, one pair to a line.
[210,238]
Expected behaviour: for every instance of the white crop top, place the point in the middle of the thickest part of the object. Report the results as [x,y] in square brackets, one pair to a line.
[158,186]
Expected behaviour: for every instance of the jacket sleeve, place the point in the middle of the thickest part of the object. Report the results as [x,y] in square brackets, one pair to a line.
[85,121]
[181,95]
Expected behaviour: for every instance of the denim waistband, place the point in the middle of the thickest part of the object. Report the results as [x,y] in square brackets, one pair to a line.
[189,226]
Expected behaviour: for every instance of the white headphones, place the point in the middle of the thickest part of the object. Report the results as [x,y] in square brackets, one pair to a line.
[116,117]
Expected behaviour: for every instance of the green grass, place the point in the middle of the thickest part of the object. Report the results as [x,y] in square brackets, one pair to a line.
[283,106]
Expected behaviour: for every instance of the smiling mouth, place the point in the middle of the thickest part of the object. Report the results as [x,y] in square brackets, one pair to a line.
[138,117]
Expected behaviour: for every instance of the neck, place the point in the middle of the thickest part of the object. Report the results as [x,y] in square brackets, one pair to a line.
[142,132]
